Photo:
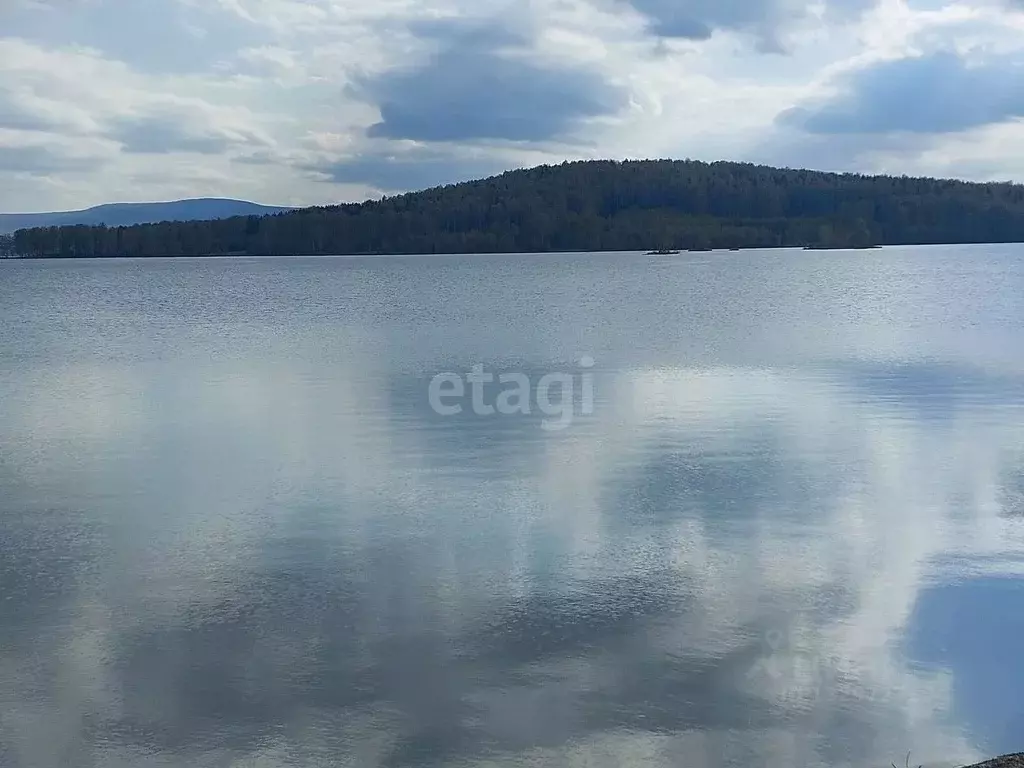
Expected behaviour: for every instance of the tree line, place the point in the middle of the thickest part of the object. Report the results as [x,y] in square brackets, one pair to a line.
[589,206]
[7,246]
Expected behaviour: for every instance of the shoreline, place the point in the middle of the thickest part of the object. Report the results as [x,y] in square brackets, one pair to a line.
[751,249]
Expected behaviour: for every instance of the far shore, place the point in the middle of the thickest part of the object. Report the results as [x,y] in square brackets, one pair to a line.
[751,249]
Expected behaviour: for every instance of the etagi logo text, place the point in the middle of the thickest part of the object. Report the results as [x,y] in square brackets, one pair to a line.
[556,395]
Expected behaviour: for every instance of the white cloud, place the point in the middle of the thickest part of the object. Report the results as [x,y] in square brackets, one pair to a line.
[236,97]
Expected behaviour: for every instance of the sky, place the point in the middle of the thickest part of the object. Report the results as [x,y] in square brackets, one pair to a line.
[303,102]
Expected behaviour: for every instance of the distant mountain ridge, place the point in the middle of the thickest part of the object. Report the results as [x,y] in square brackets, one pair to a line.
[130,214]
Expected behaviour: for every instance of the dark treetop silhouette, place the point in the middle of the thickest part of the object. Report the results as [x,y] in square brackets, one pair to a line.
[589,206]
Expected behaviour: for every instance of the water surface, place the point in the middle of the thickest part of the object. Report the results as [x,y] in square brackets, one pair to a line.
[233,532]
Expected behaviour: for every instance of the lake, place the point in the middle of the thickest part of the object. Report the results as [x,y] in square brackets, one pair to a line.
[757,508]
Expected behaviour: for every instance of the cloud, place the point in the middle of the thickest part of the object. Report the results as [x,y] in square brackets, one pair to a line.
[768,19]
[41,160]
[166,134]
[164,36]
[78,94]
[485,84]
[16,115]
[152,135]
[233,97]
[933,94]
[697,19]
[419,169]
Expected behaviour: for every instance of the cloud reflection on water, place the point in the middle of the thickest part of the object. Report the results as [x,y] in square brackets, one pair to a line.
[278,560]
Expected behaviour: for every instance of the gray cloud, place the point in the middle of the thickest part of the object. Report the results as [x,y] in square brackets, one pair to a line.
[768,19]
[165,37]
[24,107]
[697,19]
[15,117]
[165,134]
[38,160]
[934,94]
[845,153]
[420,169]
[483,85]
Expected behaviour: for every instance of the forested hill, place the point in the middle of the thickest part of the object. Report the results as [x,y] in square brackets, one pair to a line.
[591,206]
